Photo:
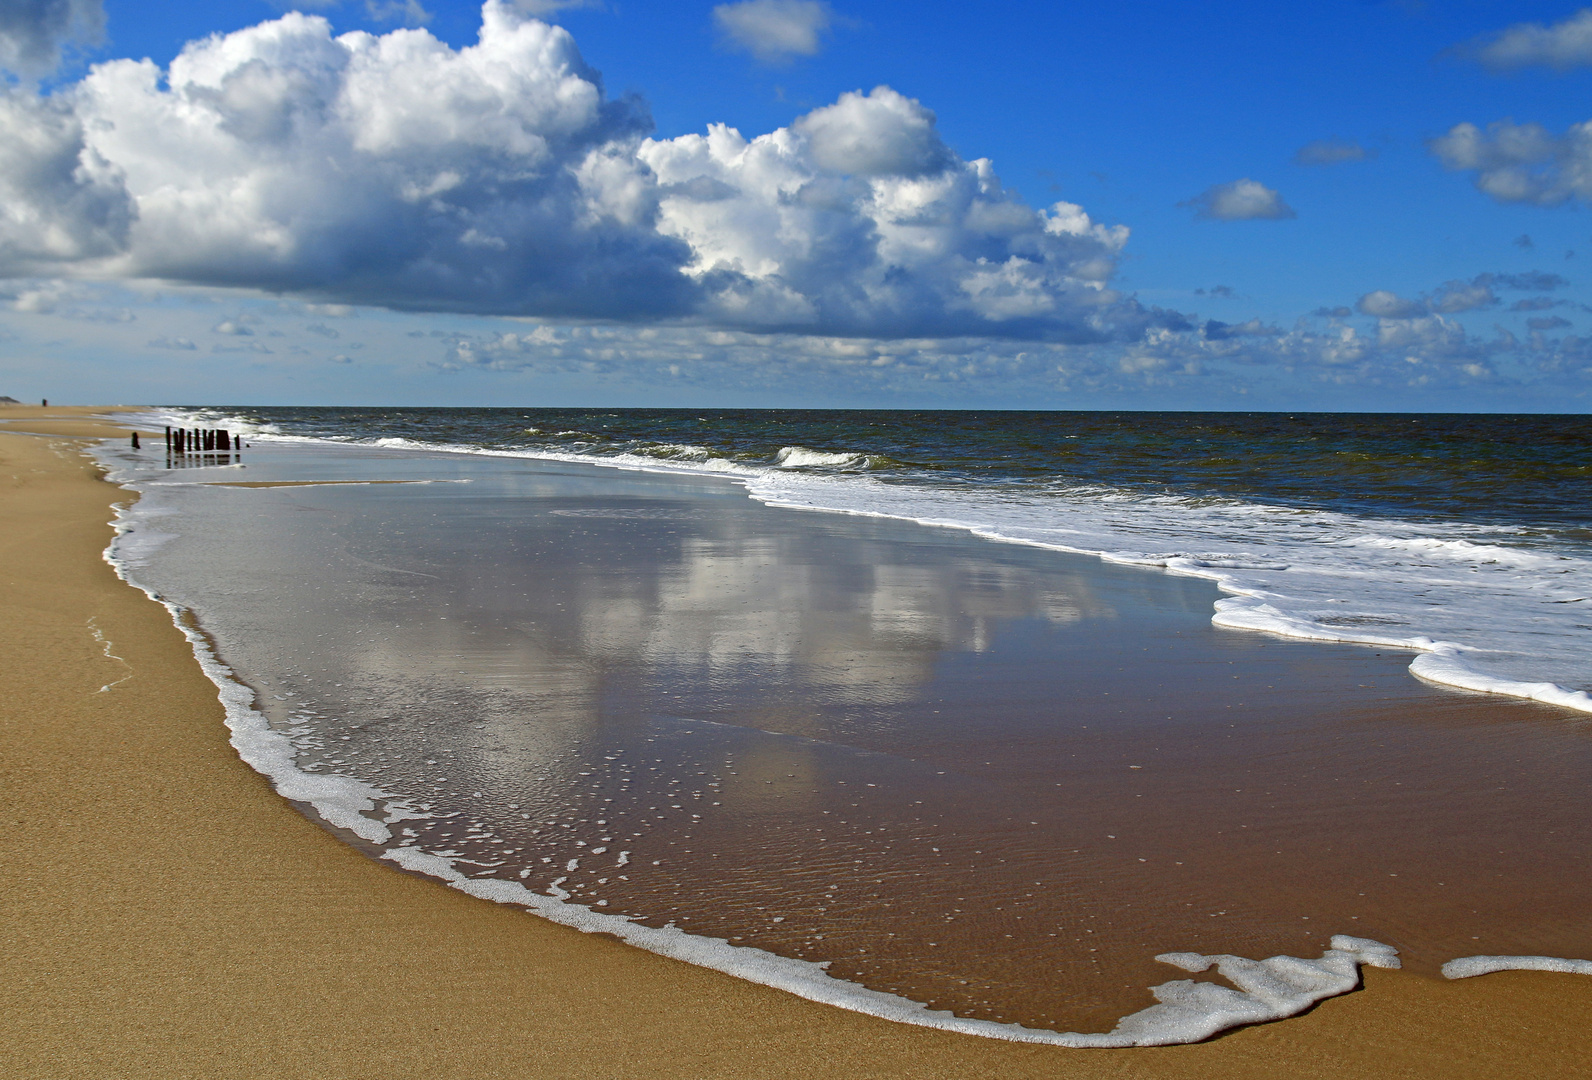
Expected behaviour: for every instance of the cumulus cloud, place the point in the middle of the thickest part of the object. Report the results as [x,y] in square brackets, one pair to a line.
[1529,281]
[1331,152]
[1534,303]
[774,30]
[1521,163]
[1418,350]
[33,32]
[1423,350]
[543,9]
[407,12]
[1453,297]
[1407,342]
[1241,200]
[857,219]
[1561,46]
[396,171]
[60,201]
[881,134]
[1220,331]
[1388,305]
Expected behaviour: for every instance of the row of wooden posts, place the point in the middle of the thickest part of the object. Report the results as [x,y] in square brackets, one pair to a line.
[199,441]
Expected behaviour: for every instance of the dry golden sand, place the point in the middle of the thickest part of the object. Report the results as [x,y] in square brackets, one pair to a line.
[166,915]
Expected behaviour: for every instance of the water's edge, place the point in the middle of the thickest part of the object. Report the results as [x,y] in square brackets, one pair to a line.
[1187,1011]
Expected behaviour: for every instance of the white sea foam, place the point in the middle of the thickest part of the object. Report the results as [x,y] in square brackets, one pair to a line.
[342,801]
[799,457]
[1484,616]
[1467,967]
[1188,1011]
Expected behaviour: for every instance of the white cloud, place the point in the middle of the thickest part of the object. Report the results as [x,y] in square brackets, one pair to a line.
[1331,152]
[542,9]
[1214,330]
[1241,200]
[857,219]
[407,12]
[1418,351]
[353,169]
[878,134]
[1562,46]
[33,32]
[1529,281]
[1409,343]
[774,30]
[1453,297]
[1521,163]
[1388,305]
[396,171]
[60,202]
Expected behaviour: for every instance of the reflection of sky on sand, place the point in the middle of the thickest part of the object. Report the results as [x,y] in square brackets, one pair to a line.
[992,778]
[805,611]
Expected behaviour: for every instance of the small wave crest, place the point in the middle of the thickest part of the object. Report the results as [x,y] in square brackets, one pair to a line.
[800,457]
[675,452]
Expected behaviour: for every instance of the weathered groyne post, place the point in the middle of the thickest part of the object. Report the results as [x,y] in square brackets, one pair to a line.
[203,442]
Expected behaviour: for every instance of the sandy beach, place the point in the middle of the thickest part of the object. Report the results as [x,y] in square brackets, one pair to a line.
[170,916]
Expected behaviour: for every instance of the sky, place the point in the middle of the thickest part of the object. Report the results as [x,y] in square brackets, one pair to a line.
[1355,205]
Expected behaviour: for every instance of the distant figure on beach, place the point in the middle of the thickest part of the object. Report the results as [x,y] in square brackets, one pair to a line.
[44,403]
[135,440]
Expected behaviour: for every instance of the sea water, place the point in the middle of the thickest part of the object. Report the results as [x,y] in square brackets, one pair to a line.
[998,779]
[1467,537]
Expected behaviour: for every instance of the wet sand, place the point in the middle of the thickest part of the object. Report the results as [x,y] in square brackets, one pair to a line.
[170,916]
[994,779]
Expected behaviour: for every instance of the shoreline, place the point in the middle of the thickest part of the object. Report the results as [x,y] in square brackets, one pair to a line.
[1440,656]
[173,916]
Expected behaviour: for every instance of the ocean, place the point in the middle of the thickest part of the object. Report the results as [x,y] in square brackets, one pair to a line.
[963,718]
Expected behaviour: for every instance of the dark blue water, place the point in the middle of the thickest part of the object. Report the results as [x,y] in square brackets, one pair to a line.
[1532,472]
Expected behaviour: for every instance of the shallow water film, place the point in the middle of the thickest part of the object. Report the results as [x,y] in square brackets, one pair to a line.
[989,777]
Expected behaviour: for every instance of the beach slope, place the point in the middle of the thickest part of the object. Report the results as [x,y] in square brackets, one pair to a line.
[167,915]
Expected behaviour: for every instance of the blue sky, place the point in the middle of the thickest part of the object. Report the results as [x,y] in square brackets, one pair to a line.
[1219,205]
